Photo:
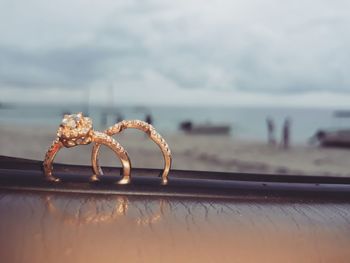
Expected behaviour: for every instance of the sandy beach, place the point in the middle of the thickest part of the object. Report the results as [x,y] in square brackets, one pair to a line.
[210,153]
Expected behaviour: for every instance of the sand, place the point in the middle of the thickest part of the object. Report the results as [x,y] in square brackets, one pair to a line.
[209,153]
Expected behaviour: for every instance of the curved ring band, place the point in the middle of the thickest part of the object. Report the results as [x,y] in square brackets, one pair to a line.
[153,135]
[77,130]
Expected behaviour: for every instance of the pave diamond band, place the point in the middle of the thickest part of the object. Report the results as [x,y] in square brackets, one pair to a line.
[153,135]
[77,130]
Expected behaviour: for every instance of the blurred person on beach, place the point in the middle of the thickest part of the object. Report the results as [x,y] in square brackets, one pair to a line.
[270,131]
[104,119]
[286,133]
[149,119]
[119,117]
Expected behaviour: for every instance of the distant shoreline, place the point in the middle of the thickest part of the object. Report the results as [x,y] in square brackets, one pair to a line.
[247,123]
[204,153]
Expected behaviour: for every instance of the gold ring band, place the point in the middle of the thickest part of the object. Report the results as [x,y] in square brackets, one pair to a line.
[76,130]
[145,127]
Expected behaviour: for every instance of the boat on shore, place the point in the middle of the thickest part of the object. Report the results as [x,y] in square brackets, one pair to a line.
[333,138]
[5,106]
[205,128]
[341,114]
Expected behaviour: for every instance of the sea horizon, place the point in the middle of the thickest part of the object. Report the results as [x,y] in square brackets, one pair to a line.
[248,122]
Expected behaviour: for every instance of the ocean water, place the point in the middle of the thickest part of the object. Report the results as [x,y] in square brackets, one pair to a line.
[246,122]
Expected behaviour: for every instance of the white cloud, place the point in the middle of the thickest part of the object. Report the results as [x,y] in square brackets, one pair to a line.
[263,52]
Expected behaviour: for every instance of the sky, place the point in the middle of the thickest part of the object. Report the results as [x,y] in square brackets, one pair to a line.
[184,52]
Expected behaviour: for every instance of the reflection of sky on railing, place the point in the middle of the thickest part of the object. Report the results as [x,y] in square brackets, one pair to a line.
[91,210]
[78,228]
[221,52]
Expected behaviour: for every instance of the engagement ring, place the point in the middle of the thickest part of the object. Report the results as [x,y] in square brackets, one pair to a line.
[76,130]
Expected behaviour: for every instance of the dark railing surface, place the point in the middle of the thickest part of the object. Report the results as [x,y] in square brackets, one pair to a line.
[197,217]
[16,173]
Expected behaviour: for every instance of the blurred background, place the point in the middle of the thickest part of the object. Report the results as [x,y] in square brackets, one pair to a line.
[248,86]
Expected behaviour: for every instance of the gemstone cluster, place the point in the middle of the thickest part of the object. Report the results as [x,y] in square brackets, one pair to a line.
[75,129]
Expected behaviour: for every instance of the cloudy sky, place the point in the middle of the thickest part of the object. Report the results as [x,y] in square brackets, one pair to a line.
[183,52]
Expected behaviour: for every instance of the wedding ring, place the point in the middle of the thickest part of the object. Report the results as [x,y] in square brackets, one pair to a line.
[77,130]
[153,135]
